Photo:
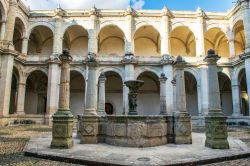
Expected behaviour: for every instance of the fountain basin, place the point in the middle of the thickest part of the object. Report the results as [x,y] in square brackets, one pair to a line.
[127,131]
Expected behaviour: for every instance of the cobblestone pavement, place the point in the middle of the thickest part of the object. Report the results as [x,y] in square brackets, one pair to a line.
[14,138]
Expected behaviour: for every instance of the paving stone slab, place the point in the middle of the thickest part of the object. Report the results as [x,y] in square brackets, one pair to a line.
[170,154]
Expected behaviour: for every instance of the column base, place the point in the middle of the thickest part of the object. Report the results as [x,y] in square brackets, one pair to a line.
[216,131]
[88,129]
[62,130]
[182,128]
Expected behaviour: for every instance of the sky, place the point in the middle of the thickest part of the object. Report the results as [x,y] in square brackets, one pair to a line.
[206,5]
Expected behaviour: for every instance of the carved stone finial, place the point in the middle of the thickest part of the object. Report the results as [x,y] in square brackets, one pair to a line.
[129,58]
[166,59]
[165,11]
[200,12]
[93,10]
[129,10]
[211,56]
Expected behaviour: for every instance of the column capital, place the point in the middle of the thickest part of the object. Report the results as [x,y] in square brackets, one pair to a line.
[163,78]
[129,58]
[91,60]
[166,59]
[211,57]
[102,77]
[65,57]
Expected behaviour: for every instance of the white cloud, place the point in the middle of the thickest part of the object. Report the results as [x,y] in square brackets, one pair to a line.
[84,4]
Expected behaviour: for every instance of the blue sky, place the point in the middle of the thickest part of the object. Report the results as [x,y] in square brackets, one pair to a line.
[207,5]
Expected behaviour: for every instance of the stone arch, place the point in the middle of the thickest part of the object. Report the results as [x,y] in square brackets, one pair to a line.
[36,91]
[33,69]
[79,70]
[192,99]
[216,39]
[184,37]
[225,86]
[113,91]
[147,41]
[76,40]
[72,24]
[239,37]
[40,23]
[77,92]
[111,39]
[139,71]
[19,33]
[143,24]
[111,23]
[116,70]
[40,41]
[149,94]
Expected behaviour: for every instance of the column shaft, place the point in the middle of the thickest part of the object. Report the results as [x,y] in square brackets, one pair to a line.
[53,87]
[64,95]
[247,67]
[246,22]
[57,42]
[129,75]
[168,71]
[165,35]
[200,44]
[129,48]
[101,98]
[21,98]
[91,92]
[236,99]
[93,40]
[25,46]
[180,91]
[204,89]
[163,97]
[3,26]
[11,17]
[231,48]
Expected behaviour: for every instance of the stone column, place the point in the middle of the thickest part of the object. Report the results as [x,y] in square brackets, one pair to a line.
[204,89]
[53,86]
[215,121]
[93,39]
[163,95]
[182,120]
[200,43]
[91,92]
[11,17]
[3,27]
[57,40]
[128,61]
[167,68]
[231,48]
[236,99]
[165,25]
[25,43]
[63,119]
[21,96]
[101,98]
[247,68]
[129,43]
[246,21]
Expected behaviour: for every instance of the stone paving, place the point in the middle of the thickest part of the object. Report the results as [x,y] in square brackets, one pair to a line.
[162,155]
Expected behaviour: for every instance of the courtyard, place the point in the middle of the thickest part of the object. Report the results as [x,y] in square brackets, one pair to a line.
[14,138]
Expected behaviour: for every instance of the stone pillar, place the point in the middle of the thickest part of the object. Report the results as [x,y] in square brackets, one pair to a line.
[182,120]
[246,21]
[231,48]
[57,40]
[236,99]
[63,119]
[204,89]
[93,39]
[101,98]
[25,43]
[21,96]
[128,61]
[165,28]
[200,43]
[163,95]
[91,92]
[215,121]
[247,68]
[129,43]
[3,27]
[53,86]
[11,17]
[167,68]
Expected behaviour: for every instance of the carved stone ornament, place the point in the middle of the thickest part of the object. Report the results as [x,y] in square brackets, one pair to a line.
[167,59]
[129,58]
[91,57]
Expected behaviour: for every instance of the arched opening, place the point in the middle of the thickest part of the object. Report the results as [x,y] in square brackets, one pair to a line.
[14,91]
[225,94]
[149,94]
[243,93]
[18,34]
[182,42]
[217,40]
[41,41]
[77,93]
[239,38]
[111,41]
[191,94]
[36,93]
[75,39]
[147,42]
[113,93]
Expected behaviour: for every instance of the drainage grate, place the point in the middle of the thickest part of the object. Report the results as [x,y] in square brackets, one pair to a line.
[143,159]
